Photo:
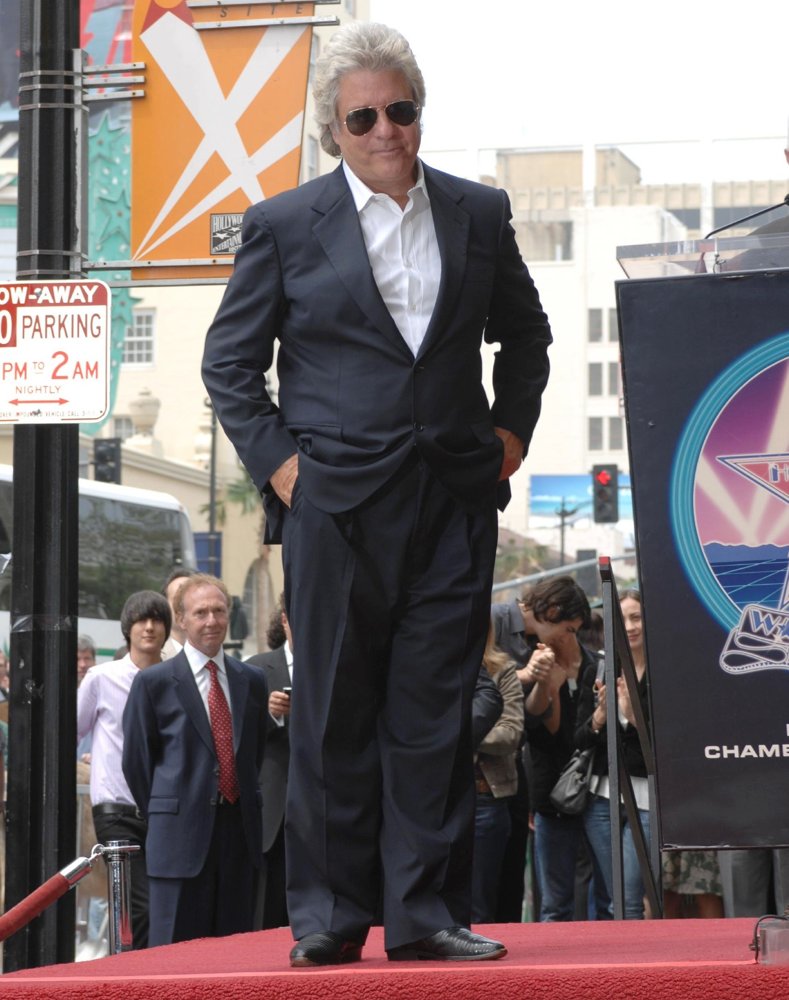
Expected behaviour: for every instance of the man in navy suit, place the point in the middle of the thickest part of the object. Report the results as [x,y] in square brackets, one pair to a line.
[202,806]
[380,467]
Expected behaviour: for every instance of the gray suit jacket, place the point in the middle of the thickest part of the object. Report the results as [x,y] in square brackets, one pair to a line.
[274,769]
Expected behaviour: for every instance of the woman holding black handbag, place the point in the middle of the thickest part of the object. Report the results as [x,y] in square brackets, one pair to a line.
[553,613]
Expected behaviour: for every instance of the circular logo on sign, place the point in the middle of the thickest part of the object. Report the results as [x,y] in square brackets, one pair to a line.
[729,491]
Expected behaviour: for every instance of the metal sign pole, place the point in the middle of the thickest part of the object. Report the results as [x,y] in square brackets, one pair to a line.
[118,859]
[41,819]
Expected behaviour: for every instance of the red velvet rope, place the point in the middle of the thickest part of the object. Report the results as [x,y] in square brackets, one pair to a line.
[21,914]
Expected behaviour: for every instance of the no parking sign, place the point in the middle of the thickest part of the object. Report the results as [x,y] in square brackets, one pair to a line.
[54,351]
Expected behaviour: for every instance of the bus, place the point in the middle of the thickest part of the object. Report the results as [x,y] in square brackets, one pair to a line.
[129,539]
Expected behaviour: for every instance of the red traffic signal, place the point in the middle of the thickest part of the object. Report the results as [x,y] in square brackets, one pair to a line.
[605,494]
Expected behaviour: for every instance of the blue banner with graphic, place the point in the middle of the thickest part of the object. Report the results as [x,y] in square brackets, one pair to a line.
[706,378]
[550,494]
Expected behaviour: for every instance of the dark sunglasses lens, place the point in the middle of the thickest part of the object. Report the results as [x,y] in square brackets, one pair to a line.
[360,122]
[402,112]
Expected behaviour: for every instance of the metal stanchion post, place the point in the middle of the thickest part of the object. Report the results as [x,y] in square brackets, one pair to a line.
[117,855]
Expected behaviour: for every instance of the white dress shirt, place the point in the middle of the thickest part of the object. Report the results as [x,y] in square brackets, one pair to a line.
[289,661]
[101,699]
[279,720]
[197,661]
[403,252]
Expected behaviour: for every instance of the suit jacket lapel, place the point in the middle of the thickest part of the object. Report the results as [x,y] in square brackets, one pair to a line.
[452,230]
[189,696]
[238,682]
[340,235]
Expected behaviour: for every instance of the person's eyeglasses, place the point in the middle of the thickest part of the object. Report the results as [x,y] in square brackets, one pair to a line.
[361,120]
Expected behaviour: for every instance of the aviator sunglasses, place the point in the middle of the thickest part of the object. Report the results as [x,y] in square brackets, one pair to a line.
[360,121]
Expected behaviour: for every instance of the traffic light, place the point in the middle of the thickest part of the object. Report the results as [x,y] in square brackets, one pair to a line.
[107,460]
[605,494]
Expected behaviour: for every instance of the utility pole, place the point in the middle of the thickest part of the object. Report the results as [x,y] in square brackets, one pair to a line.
[564,513]
[41,820]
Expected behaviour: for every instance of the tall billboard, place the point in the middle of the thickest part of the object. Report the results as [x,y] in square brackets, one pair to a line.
[706,377]
[219,126]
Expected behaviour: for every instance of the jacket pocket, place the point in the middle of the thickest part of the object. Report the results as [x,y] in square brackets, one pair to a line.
[483,430]
[304,434]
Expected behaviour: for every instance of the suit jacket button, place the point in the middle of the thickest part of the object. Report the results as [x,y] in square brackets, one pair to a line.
[418,427]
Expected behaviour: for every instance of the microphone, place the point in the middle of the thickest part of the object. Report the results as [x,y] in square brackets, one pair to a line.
[747,218]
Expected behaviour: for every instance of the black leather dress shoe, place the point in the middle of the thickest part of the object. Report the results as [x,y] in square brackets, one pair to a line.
[455,944]
[324,948]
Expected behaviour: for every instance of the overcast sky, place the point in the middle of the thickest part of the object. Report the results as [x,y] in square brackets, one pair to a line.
[567,72]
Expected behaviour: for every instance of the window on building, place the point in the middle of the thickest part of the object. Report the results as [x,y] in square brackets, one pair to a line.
[138,343]
[315,51]
[545,240]
[311,163]
[613,325]
[595,326]
[616,434]
[613,378]
[122,427]
[595,379]
[595,434]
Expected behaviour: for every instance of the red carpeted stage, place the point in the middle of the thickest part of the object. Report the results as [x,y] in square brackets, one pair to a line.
[674,959]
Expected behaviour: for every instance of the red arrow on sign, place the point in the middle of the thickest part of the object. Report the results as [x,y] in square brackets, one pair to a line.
[36,402]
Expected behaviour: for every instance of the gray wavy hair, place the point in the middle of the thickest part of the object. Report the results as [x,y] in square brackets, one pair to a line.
[359,46]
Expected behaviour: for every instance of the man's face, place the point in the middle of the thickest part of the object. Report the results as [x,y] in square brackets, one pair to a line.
[385,158]
[205,618]
[85,660]
[146,637]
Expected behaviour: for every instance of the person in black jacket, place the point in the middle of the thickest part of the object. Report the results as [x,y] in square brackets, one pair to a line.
[553,612]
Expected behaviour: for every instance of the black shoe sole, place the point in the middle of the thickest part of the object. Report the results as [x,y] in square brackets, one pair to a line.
[415,955]
[303,962]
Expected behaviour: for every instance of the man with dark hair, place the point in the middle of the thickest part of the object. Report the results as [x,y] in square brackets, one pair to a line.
[521,627]
[381,464]
[194,728]
[101,699]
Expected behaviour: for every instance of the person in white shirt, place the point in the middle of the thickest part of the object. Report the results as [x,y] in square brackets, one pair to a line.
[101,699]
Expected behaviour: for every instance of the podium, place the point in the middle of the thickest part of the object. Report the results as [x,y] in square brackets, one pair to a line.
[704,331]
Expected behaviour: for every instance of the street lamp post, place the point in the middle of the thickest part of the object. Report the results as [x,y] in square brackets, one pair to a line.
[213,548]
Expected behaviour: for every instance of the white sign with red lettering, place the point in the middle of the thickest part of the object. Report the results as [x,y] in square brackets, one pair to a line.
[54,351]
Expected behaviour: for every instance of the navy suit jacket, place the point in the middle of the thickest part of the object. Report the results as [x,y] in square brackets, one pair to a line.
[353,400]
[171,767]
[274,770]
